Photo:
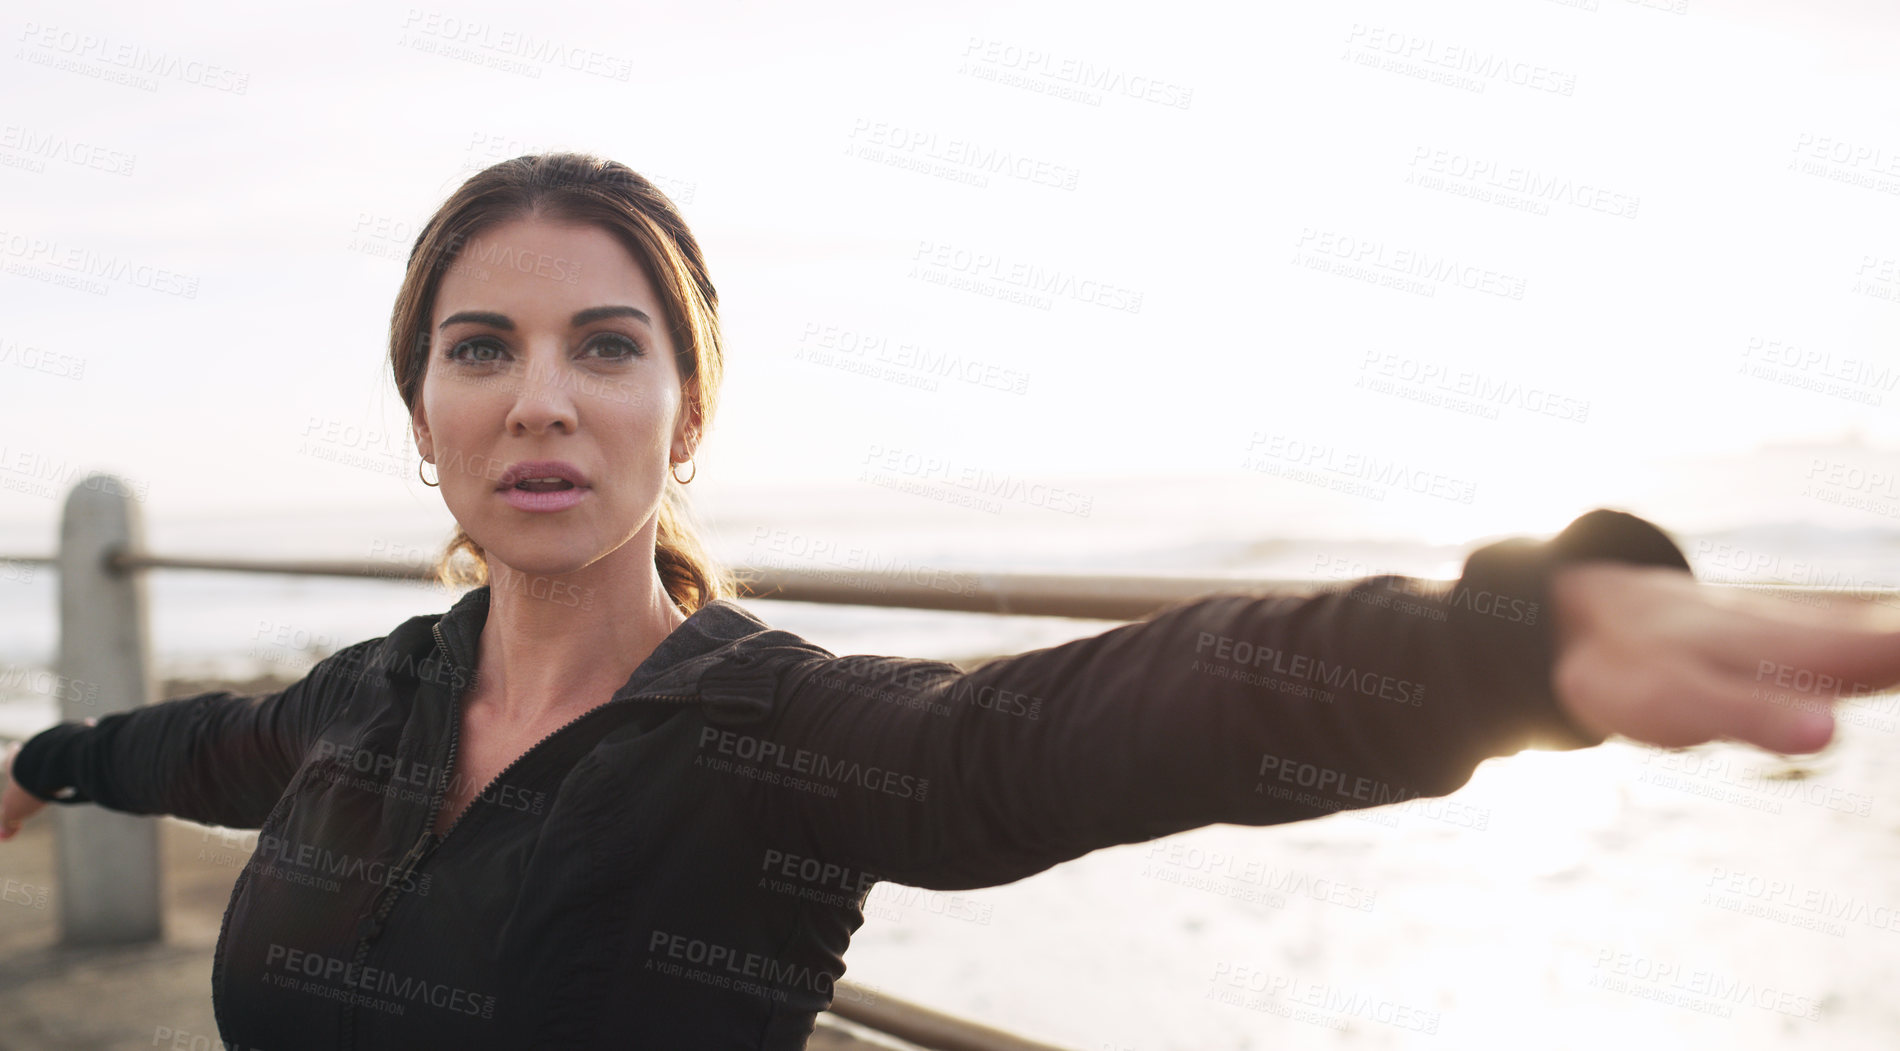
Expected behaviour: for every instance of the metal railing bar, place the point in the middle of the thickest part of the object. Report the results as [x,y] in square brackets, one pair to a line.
[923,1026]
[1079,595]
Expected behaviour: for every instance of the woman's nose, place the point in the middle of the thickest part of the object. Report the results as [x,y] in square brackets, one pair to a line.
[541,396]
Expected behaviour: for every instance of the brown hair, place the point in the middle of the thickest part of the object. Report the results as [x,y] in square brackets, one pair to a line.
[580,188]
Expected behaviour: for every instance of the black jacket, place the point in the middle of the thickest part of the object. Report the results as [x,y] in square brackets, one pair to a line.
[683,866]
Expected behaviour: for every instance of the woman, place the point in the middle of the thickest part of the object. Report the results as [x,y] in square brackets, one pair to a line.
[599,804]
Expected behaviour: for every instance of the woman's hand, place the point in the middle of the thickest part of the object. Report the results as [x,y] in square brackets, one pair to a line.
[1649,653]
[16,803]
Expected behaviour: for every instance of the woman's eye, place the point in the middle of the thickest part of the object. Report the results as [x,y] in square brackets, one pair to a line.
[618,348]
[455,352]
[610,347]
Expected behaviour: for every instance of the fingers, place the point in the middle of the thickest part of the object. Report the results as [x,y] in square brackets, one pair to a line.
[10,823]
[1865,658]
[1832,662]
[1691,702]
[1786,721]
[1848,649]
[9,794]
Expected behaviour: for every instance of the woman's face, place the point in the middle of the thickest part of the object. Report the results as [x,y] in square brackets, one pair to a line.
[548,342]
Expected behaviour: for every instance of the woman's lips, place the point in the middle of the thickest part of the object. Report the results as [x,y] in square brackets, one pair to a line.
[549,500]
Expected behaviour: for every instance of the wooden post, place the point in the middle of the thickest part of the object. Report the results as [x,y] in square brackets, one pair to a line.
[109,891]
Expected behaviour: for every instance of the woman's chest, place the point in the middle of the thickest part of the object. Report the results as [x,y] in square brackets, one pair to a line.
[484,754]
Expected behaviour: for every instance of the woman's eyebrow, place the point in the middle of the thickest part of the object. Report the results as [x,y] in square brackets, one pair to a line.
[583,317]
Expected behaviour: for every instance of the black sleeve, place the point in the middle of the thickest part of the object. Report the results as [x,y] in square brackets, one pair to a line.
[1248,708]
[217,758]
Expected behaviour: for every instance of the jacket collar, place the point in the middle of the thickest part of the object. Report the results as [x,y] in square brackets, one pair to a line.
[721,638]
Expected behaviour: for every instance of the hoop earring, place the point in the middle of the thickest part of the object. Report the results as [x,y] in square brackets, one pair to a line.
[675,472]
[425,481]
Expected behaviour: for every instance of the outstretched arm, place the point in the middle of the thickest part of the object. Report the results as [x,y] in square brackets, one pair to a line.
[218,758]
[1242,708]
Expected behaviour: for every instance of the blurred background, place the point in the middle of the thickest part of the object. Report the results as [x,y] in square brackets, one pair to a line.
[1220,289]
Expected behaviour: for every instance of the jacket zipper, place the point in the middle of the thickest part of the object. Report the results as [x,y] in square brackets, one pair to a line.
[448,766]
[347,1039]
[427,844]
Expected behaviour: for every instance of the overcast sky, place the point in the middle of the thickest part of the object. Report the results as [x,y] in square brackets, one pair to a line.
[1495,239]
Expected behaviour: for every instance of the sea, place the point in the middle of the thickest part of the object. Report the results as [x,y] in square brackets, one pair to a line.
[1718,896]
